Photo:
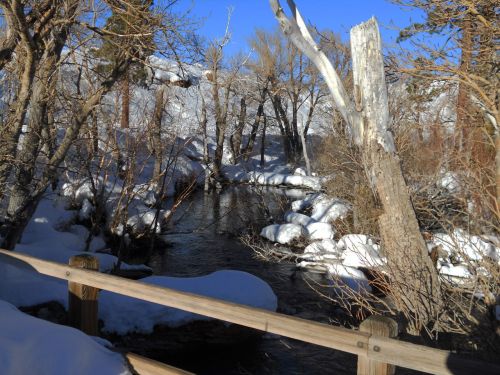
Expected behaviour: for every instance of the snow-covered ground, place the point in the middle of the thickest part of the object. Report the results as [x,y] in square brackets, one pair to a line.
[25,340]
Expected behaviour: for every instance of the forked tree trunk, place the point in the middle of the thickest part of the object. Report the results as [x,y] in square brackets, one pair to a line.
[414,280]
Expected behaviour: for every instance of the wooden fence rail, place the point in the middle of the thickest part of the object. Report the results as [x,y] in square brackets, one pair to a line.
[366,345]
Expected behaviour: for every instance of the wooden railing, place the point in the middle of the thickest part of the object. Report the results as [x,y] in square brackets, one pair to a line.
[375,352]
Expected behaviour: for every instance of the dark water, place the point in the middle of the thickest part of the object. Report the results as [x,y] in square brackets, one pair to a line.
[204,238]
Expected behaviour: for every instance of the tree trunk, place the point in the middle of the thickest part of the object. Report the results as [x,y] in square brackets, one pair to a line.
[156,132]
[414,280]
[263,143]
[290,150]
[304,152]
[206,156]
[11,131]
[125,115]
[247,150]
[238,133]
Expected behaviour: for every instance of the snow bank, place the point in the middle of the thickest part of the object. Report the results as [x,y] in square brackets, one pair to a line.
[282,233]
[50,235]
[124,314]
[29,345]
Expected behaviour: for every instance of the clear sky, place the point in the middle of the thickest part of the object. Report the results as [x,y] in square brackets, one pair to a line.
[337,15]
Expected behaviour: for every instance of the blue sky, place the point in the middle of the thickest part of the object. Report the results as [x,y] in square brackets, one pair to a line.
[338,15]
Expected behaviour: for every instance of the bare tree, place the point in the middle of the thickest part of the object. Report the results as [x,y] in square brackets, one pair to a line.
[43,29]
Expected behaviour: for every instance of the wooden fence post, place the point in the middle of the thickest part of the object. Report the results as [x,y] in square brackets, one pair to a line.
[82,299]
[380,326]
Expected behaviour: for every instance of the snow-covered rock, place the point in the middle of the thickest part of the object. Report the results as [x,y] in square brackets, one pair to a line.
[305,203]
[358,250]
[327,209]
[277,179]
[351,240]
[300,219]
[300,172]
[319,231]
[348,277]
[282,233]
[324,250]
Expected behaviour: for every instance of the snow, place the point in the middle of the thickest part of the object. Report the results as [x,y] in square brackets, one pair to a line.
[282,233]
[352,240]
[450,182]
[349,277]
[319,231]
[305,203]
[359,251]
[86,210]
[29,345]
[327,209]
[277,179]
[454,272]
[466,247]
[300,172]
[123,314]
[322,250]
[324,208]
[50,235]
